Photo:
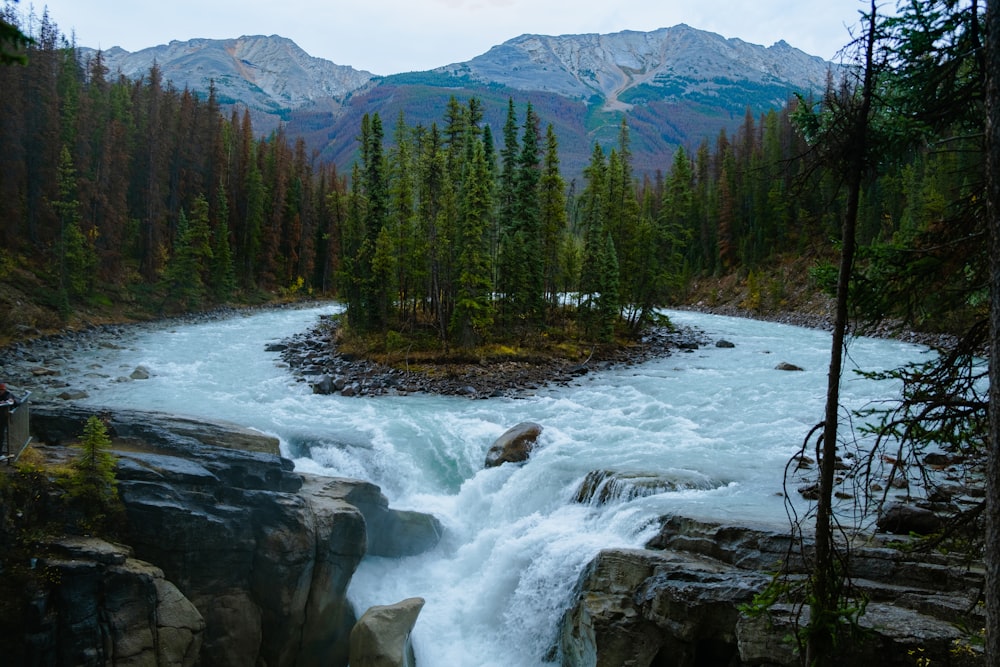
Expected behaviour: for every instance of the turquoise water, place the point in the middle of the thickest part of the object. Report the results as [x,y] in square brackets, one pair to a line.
[515,541]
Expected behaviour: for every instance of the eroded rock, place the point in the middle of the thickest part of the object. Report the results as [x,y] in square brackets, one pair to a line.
[514,446]
[381,637]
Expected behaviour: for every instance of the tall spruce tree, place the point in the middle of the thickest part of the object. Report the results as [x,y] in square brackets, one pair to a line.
[553,218]
[473,314]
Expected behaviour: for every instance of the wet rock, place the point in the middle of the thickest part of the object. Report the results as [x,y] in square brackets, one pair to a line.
[381,637]
[678,601]
[323,386]
[603,486]
[56,424]
[905,518]
[140,373]
[785,366]
[809,491]
[724,343]
[390,533]
[118,603]
[73,395]
[514,446]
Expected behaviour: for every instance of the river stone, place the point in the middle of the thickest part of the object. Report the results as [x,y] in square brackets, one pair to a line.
[785,366]
[73,395]
[514,446]
[903,519]
[381,637]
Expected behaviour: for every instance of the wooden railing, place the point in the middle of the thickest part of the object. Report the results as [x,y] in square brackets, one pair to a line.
[17,433]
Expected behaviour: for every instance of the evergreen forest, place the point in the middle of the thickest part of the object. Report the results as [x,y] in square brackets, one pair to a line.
[133,193]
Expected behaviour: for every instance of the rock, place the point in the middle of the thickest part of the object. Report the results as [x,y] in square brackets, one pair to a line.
[514,446]
[904,518]
[678,602]
[323,385]
[724,343]
[140,373]
[785,366]
[604,486]
[809,491]
[264,554]
[390,533]
[73,395]
[60,424]
[381,637]
[113,608]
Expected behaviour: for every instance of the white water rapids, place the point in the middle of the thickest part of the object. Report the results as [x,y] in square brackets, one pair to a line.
[515,541]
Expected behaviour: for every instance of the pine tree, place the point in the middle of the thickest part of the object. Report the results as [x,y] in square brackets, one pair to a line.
[473,314]
[92,480]
[553,217]
[609,300]
[189,263]
[223,271]
[593,207]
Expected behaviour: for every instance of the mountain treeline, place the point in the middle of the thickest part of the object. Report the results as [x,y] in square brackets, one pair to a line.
[133,191]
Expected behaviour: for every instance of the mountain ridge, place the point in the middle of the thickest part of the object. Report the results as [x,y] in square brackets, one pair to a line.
[677,85]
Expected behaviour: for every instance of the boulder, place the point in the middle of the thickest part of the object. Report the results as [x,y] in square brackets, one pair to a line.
[514,446]
[906,518]
[381,637]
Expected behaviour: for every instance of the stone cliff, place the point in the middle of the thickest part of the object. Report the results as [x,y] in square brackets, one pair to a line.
[232,557]
[679,602]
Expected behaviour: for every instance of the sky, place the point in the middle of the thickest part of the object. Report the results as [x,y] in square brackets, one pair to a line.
[392,36]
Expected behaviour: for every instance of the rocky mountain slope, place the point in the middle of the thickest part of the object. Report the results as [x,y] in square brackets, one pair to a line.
[627,68]
[676,86]
[270,74]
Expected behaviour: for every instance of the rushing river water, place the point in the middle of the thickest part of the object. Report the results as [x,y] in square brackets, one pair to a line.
[719,422]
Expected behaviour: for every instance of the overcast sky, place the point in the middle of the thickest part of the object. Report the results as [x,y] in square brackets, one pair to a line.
[391,36]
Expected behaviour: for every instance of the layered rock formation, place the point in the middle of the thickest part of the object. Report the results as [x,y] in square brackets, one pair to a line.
[239,560]
[678,602]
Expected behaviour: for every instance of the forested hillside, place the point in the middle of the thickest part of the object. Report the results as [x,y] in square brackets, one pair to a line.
[137,197]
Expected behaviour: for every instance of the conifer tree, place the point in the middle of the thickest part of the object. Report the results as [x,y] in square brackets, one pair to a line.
[92,480]
[473,314]
[609,299]
[553,217]
[189,263]
[223,271]
[593,207]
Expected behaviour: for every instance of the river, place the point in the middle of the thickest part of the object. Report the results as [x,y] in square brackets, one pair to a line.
[719,423]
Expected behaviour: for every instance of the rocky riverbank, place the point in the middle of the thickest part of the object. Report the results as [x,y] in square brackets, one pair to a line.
[227,555]
[44,364]
[313,356]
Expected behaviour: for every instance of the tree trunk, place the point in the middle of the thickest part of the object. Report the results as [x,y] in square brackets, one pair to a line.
[824,616]
[993,225]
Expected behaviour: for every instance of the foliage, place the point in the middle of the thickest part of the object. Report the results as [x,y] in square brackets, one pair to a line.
[91,484]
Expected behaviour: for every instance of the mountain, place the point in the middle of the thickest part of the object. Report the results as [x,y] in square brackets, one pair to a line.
[622,69]
[676,86]
[268,74]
